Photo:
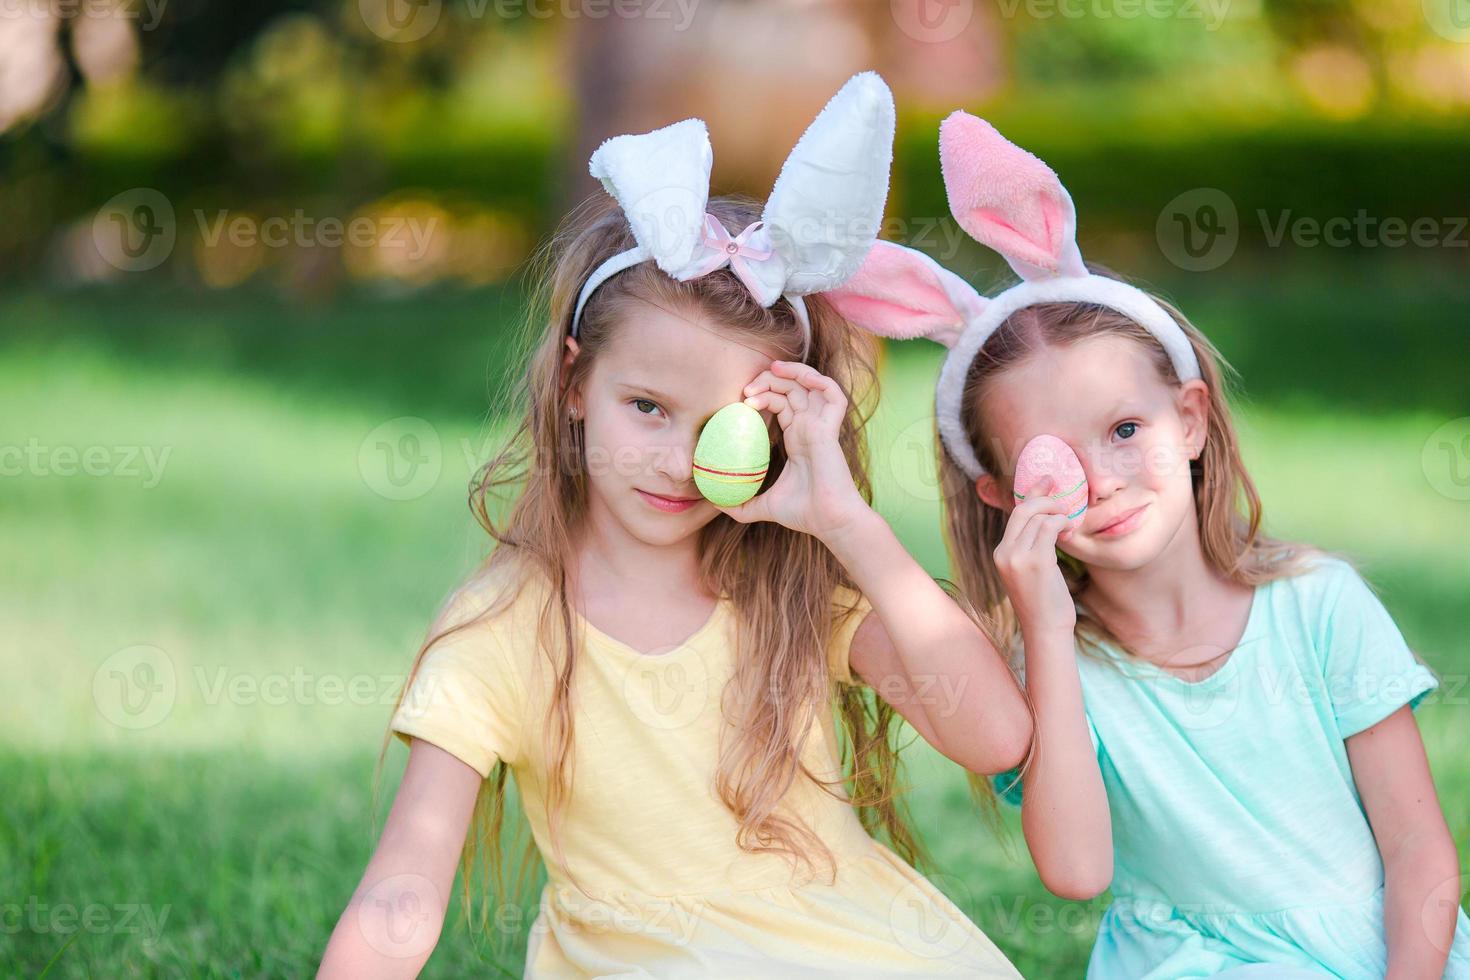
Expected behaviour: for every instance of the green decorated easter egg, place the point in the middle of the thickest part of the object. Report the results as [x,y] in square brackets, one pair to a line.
[732,455]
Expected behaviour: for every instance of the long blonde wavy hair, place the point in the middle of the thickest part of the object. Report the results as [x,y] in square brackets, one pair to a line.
[780,581]
[1227,505]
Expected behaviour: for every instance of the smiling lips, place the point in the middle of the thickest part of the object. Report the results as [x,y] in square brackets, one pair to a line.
[1126,522]
[669,505]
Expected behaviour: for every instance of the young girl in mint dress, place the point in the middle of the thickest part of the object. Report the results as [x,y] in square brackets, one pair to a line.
[1224,721]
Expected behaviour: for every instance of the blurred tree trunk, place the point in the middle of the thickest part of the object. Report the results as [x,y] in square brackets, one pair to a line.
[603,78]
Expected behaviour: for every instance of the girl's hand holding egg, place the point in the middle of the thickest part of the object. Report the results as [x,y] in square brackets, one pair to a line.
[1044,456]
[1051,491]
[815,493]
[732,455]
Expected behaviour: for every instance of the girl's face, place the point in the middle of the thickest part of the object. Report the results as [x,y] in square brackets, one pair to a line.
[1134,434]
[644,403]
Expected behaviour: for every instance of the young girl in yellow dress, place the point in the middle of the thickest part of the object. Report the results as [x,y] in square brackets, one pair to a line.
[660,674]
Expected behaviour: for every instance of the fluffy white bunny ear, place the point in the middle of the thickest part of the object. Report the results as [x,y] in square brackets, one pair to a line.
[902,293]
[1008,199]
[824,213]
[661,181]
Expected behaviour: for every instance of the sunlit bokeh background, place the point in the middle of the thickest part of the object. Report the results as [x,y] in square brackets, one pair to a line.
[260,264]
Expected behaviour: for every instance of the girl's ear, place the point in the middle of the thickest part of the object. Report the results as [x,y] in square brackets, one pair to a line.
[1194,409]
[988,489]
[901,293]
[568,356]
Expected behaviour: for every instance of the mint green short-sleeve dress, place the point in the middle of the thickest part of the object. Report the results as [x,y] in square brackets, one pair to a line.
[1239,837]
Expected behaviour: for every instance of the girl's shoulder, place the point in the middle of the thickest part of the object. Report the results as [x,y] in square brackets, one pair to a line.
[1322,576]
[501,601]
[1323,586]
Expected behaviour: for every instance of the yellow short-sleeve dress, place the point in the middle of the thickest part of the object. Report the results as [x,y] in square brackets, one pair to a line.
[669,894]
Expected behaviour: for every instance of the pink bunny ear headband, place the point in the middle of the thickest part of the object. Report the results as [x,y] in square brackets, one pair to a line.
[1007,199]
[820,222]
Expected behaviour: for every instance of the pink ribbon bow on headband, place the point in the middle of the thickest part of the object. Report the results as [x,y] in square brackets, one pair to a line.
[732,251]
[838,169]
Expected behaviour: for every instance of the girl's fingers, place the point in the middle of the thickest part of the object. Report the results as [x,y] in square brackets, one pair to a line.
[794,391]
[775,403]
[1033,512]
[806,390]
[1039,500]
[1026,540]
[1051,530]
[761,382]
[754,509]
[825,392]
[807,376]
[1041,531]
[789,375]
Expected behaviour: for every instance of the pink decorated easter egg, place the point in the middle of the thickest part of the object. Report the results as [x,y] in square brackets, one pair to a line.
[1046,455]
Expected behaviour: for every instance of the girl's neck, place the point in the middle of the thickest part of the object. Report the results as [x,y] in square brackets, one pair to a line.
[606,555]
[1166,597]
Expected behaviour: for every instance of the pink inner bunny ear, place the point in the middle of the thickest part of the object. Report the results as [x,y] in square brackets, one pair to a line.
[1008,199]
[901,293]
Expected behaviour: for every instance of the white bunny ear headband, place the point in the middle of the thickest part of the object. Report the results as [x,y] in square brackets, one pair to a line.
[1007,199]
[818,225]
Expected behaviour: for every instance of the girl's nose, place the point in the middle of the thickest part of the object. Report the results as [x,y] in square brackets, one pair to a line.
[675,462]
[1104,476]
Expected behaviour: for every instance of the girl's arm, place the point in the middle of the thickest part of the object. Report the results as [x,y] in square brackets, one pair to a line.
[392,922]
[1064,807]
[982,723]
[926,657]
[1421,868]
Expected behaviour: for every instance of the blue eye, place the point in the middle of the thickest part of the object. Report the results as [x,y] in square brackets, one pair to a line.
[1131,426]
[638,403]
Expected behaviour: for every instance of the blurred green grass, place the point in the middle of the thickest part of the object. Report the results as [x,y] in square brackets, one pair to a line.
[265,557]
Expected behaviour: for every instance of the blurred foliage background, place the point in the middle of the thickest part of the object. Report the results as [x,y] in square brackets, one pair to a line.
[268,246]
